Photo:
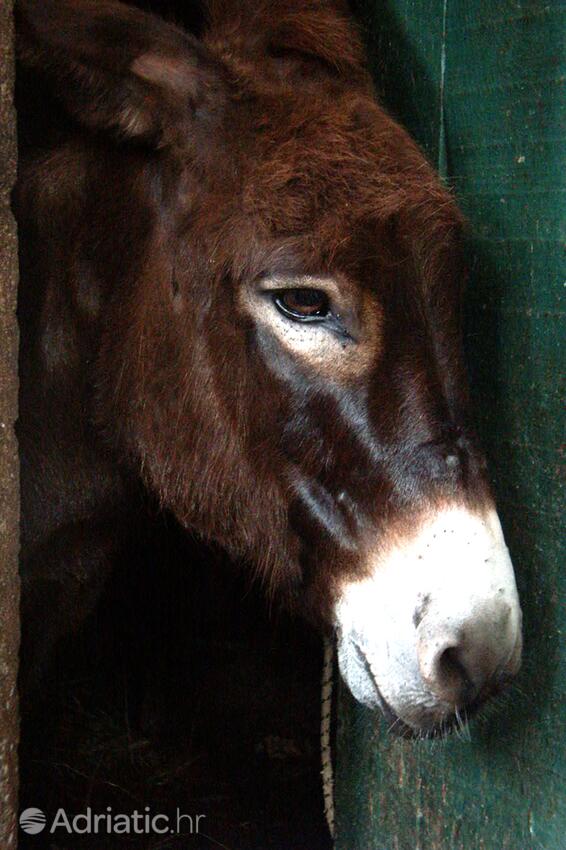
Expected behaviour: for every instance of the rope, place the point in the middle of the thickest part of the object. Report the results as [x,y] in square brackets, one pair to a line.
[325,727]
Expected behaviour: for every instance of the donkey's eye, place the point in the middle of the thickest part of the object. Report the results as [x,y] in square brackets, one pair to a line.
[303,305]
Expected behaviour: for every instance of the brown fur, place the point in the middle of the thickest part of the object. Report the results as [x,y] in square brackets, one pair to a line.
[194,167]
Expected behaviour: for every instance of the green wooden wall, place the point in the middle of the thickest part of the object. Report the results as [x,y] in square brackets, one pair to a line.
[479,84]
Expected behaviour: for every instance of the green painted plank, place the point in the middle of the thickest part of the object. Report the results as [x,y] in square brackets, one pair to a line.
[494,121]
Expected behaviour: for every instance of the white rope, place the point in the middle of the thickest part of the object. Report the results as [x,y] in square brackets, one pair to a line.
[325,728]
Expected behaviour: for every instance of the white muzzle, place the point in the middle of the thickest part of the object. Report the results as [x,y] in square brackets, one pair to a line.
[436,624]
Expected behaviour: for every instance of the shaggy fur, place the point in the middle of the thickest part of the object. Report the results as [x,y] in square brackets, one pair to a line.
[188,168]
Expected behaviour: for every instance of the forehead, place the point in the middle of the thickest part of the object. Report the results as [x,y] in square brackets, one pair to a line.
[336,170]
[330,144]
[313,176]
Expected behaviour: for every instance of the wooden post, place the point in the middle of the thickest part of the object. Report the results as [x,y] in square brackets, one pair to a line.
[9,479]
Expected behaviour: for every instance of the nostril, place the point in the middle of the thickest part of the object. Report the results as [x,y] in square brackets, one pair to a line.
[452,670]
[444,671]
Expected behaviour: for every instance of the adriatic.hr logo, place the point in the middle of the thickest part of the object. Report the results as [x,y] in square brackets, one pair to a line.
[144,822]
[33,821]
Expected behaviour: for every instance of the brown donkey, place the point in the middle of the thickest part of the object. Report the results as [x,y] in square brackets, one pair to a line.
[241,288]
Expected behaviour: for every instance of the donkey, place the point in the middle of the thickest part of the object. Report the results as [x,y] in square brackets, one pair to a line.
[241,292]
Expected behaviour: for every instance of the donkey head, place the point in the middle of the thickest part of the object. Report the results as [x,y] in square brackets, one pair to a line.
[278,280]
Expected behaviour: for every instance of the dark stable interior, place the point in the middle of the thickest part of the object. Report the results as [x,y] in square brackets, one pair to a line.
[183,692]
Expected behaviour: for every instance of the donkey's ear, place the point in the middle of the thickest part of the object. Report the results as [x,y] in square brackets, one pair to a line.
[117,68]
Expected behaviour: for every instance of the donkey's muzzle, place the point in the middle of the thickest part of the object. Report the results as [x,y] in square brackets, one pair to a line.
[436,627]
